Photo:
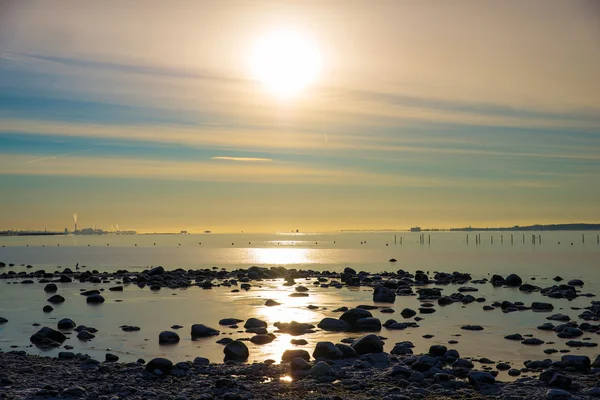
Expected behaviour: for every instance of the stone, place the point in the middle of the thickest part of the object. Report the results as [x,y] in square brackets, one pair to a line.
[253,323]
[368,325]
[514,336]
[262,339]
[159,364]
[201,330]
[85,336]
[382,294]
[477,378]
[557,394]
[299,364]
[353,315]
[533,341]
[425,363]
[66,324]
[236,351]
[472,328]
[575,282]
[408,313]
[333,325]
[327,350]
[539,306]
[47,309]
[111,357]
[230,321]
[368,344]
[156,271]
[347,351]
[272,303]
[438,350]
[559,317]
[513,280]
[95,299]
[299,342]
[576,363]
[322,369]
[168,337]
[288,355]
[51,288]
[47,338]
[56,299]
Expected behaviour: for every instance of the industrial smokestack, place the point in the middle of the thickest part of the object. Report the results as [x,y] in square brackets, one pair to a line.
[75,221]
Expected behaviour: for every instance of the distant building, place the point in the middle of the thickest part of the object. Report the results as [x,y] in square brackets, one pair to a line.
[415,229]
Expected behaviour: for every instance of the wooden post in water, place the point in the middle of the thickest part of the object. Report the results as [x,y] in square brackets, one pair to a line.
[491,240]
[467,239]
[395,239]
[582,238]
[540,238]
[598,239]
[523,238]
[511,239]
[429,239]
[501,239]
[400,240]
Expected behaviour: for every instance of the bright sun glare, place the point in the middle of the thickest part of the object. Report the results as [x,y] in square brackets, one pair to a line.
[286,62]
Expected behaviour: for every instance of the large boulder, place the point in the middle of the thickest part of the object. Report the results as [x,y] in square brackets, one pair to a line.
[382,294]
[353,315]
[368,344]
[577,363]
[201,330]
[47,338]
[333,325]
[368,325]
[159,366]
[253,323]
[236,351]
[327,350]
[168,337]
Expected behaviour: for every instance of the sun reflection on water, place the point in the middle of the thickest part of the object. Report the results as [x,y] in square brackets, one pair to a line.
[283,256]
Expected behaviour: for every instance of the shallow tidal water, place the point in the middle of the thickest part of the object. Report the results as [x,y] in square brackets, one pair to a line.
[154,312]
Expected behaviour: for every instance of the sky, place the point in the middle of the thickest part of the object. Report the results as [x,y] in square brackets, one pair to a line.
[147,114]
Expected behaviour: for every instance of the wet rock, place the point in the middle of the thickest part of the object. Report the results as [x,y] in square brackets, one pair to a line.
[513,280]
[111,357]
[201,330]
[262,339]
[159,366]
[272,303]
[85,336]
[477,378]
[353,315]
[438,350]
[445,301]
[230,321]
[462,363]
[502,367]
[95,299]
[50,288]
[333,325]
[327,350]
[253,323]
[559,317]
[401,350]
[156,271]
[299,364]
[236,351]
[425,363]
[347,351]
[168,337]
[294,328]
[578,343]
[514,336]
[224,340]
[47,338]
[299,342]
[539,306]
[533,341]
[382,294]
[129,328]
[408,313]
[575,282]
[322,371]
[89,292]
[47,309]
[368,344]
[288,355]
[557,394]
[548,326]
[576,363]
[368,325]
[66,324]
[56,299]
[472,328]
[116,289]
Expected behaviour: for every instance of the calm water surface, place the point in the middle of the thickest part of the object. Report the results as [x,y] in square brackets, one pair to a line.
[370,251]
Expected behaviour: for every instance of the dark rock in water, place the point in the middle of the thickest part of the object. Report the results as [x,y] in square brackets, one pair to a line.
[298,294]
[66,324]
[514,372]
[578,343]
[387,310]
[224,340]
[252,323]
[596,363]
[333,325]
[3,320]
[513,280]
[438,350]
[129,328]
[426,310]
[66,355]
[111,357]
[368,325]
[539,306]
[85,336]
[272,303]
[288,355]
[236,351]
[294,328]
[408,313]
[168,337]
[367,307]
[116,289]
[488,308]
[382,294]
[497,280]
[557,394]
[327,350]
[462,363]
[347,351]
[560,381]
[526,287]
[47,309]
[89,292]
[401,350]
[299,342]
[322,372]
[559,317]
[160,365]
[533,341]
[47,338]
[176,326]
[548,326]
[353,315]
[472,328]
[201,330]
[429,293]
[50,288]
[155,288]
[230,321]
[575,282]
[393,260]
[477,378]
[262,339]
[502,366]
[56,299]
[514,336]
[569,332]
[349,271]
[95,299]
[368,344]
[445,301]
[156,271]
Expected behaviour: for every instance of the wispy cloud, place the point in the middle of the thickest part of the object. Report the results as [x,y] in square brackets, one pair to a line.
[242,159]
[58,156]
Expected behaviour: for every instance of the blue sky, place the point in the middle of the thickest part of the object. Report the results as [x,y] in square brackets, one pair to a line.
[151,119]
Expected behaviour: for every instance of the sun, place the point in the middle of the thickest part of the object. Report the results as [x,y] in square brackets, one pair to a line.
[286,62]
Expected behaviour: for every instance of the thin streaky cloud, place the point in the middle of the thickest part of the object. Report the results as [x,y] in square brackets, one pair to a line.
[59,156]
[242,159]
